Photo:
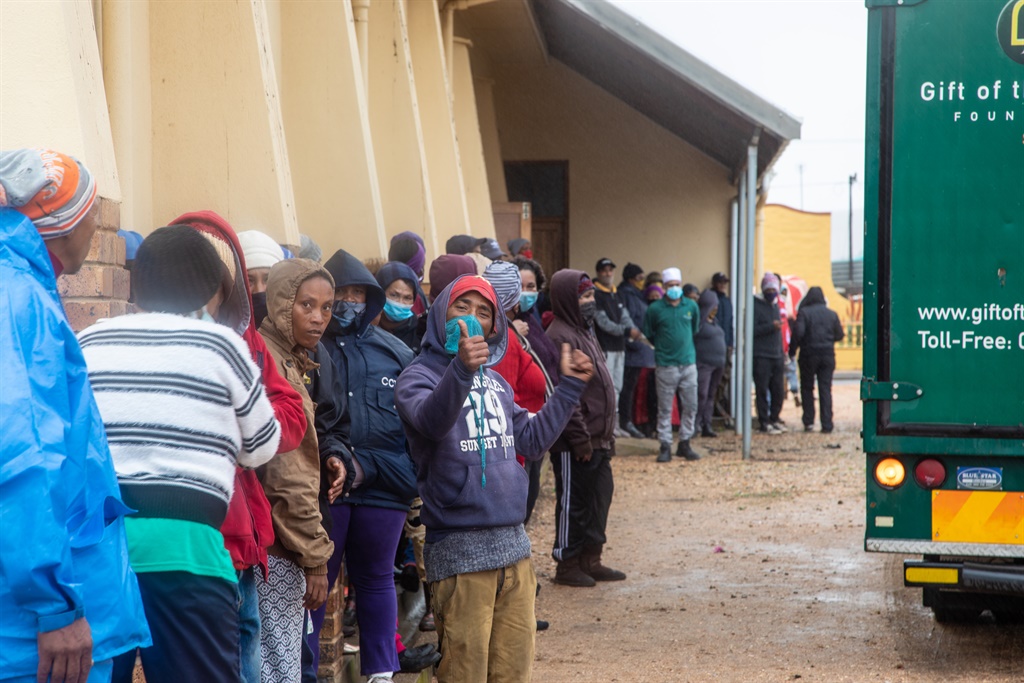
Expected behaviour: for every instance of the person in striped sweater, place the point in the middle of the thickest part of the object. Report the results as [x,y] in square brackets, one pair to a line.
[182,404]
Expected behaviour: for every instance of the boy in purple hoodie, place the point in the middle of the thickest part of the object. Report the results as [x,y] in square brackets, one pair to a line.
[464,431]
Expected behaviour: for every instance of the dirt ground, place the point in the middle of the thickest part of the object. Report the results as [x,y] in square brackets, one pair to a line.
[752,571]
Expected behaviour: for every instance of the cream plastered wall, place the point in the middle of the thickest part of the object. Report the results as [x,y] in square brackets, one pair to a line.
[800,243]
[327,125]
[636,192]
[52,85]
[218,137]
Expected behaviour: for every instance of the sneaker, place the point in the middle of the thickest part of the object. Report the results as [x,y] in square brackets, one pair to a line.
[620,433]
[569,573]
[772,429]
[780,427]
[708,432]
[808,428]
[826,430]
[665,452]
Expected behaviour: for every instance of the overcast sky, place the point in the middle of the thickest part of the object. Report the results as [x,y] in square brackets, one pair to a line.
[807,57]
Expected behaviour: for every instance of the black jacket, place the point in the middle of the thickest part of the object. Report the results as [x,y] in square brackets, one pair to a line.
[368,361]
[767,337]
[639,353]
[613,322]
[817,327]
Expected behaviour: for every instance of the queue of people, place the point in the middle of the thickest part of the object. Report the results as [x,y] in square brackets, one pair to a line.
[195,474]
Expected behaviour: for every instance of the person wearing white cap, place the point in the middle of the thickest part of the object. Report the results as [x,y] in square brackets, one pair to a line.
[670,324]
[261,254]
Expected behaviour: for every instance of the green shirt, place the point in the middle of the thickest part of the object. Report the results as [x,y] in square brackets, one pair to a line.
[671,329]
[174,545]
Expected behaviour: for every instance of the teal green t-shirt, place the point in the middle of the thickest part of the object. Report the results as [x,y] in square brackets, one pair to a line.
[174,545]
[671,330]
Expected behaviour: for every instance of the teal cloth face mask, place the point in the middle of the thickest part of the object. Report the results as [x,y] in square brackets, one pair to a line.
[396,311]
[527,300]
[453,332]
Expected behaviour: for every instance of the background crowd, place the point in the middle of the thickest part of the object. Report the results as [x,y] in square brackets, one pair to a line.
[183,484]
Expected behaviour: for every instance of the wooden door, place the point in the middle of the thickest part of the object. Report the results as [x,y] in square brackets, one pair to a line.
[511,220]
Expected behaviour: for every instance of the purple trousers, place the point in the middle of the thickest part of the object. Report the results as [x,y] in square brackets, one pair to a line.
[367,538]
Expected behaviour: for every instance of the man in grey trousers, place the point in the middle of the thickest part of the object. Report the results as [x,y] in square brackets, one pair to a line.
[670,324]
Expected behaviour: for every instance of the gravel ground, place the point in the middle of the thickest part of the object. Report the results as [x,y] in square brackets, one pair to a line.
[752,571]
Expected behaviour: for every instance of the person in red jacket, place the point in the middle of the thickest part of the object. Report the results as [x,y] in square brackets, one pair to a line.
[247,528]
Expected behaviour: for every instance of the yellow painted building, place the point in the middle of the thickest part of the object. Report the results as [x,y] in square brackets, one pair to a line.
[795,242]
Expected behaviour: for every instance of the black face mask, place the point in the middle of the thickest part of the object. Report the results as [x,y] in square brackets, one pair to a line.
[259,308]
[589,311]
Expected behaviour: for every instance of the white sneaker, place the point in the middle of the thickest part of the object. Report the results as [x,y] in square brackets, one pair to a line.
[779,427]
[774,429]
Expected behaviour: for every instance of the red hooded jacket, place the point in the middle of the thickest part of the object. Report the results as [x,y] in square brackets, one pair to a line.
[247,529]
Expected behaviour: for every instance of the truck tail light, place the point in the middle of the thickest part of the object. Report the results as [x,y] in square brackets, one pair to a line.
[890,473]
[930,473]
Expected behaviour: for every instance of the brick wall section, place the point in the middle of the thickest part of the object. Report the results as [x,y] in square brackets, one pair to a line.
[100,288]
[331,638]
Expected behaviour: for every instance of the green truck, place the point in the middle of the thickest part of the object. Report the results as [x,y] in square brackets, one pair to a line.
[943,385]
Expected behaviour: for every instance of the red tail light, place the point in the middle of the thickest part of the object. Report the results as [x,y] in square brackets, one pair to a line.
[930,473]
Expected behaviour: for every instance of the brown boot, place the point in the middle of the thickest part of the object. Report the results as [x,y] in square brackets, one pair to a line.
[569,573]
[590,562]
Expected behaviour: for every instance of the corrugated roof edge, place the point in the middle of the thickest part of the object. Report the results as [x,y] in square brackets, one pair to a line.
[690,68]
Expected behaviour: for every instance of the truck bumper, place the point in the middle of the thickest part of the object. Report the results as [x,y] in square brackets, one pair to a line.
[971,577]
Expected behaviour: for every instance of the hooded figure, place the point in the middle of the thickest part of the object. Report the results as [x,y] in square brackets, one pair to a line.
[769,362]
[291,482]
[368,520]
[464,431]
[445,269]
[63,553]
[815,333]
[399,316]
[581,459]
[247,529]
[709,343]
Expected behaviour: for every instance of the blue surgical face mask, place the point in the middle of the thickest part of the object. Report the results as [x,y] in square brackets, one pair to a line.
[452,332]
[397,311]
[675,292]
[203,314]
[348,313]
[770,296]
[527,300]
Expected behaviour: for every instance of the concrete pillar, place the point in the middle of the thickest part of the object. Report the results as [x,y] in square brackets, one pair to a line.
[126,77]
[337,195]
[218,136]
[398,144]
[433,96]
[471,150]
[491,143]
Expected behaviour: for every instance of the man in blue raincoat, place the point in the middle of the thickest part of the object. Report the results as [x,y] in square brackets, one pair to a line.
[68,600]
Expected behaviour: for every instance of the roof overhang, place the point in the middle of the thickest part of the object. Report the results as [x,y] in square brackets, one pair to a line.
[667,84]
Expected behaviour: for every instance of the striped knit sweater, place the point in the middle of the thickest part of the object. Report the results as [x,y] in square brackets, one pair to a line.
[182,403]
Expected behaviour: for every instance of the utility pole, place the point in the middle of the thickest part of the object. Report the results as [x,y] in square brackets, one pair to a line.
[853,179]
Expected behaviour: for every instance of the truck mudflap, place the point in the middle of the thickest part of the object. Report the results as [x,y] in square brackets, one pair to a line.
[963,575]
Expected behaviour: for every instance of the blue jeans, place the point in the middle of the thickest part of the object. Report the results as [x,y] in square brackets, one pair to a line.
[249,625]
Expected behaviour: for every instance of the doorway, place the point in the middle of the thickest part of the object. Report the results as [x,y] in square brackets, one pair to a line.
[545,184]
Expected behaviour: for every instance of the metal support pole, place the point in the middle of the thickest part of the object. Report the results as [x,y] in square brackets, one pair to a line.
[748,365]
[742,301]
[734,245]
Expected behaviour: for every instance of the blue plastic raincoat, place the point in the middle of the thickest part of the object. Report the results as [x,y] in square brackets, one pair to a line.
[62,542]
